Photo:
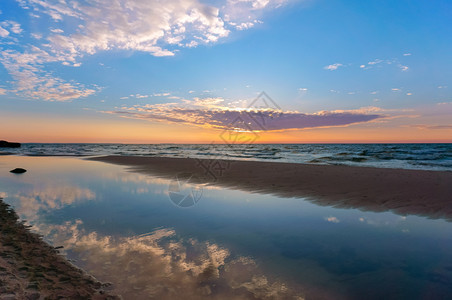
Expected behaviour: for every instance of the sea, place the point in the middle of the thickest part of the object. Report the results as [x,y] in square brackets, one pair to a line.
[437,157]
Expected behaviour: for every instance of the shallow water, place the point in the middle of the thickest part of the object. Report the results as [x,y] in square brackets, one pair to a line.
[404,156]
[124,228]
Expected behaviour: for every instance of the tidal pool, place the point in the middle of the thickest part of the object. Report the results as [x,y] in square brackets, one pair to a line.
[124,228]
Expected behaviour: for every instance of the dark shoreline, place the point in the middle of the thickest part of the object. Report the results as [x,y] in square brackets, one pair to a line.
[32,269]
[402,191]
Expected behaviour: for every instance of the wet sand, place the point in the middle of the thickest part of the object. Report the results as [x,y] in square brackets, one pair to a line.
[404,192]
[32,269]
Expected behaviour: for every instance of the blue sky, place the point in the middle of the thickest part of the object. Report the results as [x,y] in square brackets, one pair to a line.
[92,61]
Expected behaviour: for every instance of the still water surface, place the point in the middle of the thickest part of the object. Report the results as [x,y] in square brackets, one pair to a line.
[123,228]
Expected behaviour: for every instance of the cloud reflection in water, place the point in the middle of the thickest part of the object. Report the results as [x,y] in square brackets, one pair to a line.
[162,265]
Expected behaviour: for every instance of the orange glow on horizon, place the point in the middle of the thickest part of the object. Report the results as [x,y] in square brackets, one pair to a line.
[110,129]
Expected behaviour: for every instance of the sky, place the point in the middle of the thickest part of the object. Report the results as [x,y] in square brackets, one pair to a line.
[189,71]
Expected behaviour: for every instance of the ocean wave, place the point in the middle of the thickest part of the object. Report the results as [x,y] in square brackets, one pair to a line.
[408,156]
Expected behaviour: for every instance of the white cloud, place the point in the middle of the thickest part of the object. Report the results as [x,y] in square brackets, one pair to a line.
[406,54]
[333,67]
[33,82]
[161,94]
[362,66]
[249,10]
[56,30]
[245,25]
[154,26]
[3,32]
[2,91]
[375,62]
[255,4]
[146,26]
[13,26]
[55,10]
[395,90]
[403,68]
[303,89]
[37,36]
[138,96]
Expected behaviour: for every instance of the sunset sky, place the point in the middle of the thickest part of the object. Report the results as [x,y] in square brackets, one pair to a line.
[184,71]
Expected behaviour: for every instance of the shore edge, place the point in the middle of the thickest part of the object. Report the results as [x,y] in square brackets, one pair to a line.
[32,269]
[401,191]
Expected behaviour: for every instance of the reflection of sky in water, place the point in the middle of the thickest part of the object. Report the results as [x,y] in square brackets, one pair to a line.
[123,228]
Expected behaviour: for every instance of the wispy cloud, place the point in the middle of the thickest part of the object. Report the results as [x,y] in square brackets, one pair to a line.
[381,62]
[138,96]
[424,126]
[376,62]
[32,81]
[161,94]
[333,66]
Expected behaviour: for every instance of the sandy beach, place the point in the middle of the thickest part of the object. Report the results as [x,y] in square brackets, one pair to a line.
[405,192]
[32,269]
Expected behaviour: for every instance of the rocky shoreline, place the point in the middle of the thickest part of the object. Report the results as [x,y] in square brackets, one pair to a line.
[32,269]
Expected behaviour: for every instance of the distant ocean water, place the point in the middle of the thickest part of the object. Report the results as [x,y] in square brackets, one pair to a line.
[404,156]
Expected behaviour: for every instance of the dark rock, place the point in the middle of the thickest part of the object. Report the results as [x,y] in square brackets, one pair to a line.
[5,144]
[18,171]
